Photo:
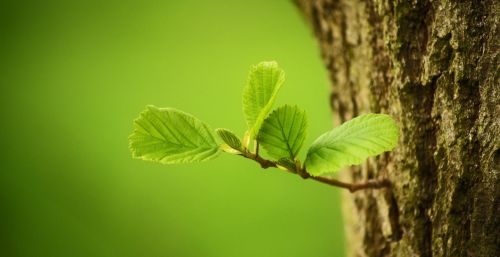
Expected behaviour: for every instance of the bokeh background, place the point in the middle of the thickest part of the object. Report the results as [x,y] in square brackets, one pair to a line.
[74,75]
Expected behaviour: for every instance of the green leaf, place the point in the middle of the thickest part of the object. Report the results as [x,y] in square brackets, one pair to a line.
[283,132]
[264,81]
[170,136]
[351,143]
[287,164]
[229,138]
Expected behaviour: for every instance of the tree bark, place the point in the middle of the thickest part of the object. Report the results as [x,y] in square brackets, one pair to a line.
[433,66]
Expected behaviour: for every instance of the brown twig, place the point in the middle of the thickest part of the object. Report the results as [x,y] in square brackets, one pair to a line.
[352,187]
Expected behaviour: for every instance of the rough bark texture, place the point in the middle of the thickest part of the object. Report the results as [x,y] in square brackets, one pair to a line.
[434,66]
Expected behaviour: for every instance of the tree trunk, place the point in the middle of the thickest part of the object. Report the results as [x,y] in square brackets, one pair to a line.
[433,66]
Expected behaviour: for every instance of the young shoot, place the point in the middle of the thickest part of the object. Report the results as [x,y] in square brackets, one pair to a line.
[170,136]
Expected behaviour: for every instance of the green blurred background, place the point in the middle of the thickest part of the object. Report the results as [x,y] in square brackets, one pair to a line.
[74,75]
